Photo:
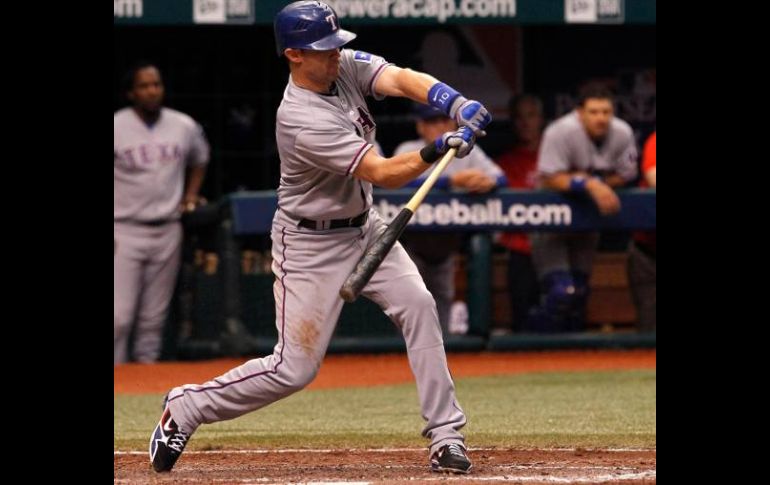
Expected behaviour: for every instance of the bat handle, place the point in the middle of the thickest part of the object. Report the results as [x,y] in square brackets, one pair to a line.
[418,197]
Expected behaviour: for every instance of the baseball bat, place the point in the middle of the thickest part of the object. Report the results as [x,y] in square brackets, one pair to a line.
[376,253]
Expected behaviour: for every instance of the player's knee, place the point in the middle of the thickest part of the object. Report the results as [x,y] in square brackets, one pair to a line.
[296,374]
[419,321]
[304,378]
[414,303]
[420,300]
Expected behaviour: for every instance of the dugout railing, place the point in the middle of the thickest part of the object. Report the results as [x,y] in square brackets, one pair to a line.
[230,311]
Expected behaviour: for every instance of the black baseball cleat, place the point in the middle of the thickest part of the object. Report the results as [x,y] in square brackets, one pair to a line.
[167,442]
[450,459]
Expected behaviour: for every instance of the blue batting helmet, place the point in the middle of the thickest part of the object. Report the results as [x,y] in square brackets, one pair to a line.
[309,25]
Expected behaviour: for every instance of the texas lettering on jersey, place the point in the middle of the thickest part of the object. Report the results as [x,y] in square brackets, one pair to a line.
[146,155]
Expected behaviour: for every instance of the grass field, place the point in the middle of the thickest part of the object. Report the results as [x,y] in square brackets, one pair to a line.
[553,409]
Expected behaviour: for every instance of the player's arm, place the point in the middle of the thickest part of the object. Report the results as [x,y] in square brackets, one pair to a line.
[426,89]
[394,172]
[473,180]
[577,181]
[650,176]
[559,181]
[615,181]
[554,167]
[483,176]
[603,195]
[390,173]
[405,83]
[197,161]
[195,175]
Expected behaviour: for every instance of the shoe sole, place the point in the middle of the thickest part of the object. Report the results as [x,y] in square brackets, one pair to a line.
[451,470]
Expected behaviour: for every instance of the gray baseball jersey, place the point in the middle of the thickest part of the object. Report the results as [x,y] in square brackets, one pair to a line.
[475,159]
[567,147]
[321,139]
[149,167]
[150,163]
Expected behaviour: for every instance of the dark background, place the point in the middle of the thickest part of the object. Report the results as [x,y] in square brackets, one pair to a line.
[223,75]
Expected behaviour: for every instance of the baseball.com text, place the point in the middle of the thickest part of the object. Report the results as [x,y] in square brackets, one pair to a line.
[491,212]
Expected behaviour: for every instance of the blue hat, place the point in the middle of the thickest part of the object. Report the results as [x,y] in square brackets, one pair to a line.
[309,25]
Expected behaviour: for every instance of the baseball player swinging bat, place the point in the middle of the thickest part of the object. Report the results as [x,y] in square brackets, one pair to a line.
[376,253]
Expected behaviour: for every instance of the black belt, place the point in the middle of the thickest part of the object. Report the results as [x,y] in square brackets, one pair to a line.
[356,221]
